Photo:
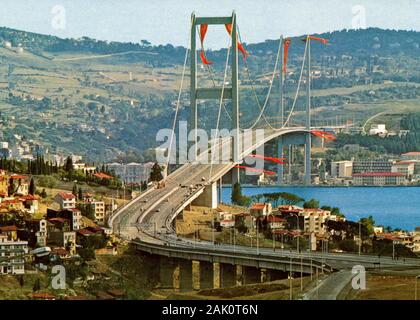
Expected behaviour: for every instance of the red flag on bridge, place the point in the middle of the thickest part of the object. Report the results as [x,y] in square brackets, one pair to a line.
[286,53]
[203,31]
[240,47]
[272,159]
[324,41]
[256,170]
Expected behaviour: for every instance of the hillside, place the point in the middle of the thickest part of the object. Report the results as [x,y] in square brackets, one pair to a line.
[102,99]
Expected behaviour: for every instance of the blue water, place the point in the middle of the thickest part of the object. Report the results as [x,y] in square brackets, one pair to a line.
[398,207]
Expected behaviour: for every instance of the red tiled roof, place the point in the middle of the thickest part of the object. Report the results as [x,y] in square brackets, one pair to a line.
[8,228]
[18,177]
[60,251]
[405,162]
[415,153]
[9,201]
[42,295]
[67,195]
[275,219]
[85,232]
[258,206]
[102,175]
[378,174]
[29,197]
[58,219]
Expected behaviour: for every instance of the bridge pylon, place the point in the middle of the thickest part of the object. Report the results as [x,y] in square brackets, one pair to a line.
[231,92]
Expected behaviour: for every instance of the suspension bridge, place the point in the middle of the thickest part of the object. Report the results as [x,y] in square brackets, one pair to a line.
[148,220]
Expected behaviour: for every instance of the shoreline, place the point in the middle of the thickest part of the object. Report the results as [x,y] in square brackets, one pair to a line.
[319,186]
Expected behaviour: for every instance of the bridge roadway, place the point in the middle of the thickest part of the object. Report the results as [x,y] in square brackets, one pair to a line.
[149,217]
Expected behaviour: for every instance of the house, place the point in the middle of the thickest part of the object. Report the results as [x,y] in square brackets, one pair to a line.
[30,203]
[276,223]
[227,223]
[244,219]
[10,231]
[73,215]
[4,184]
[13,204]
[35,232]
[60,234]
[66,200]
[261,209]
[20,184]
[13,249]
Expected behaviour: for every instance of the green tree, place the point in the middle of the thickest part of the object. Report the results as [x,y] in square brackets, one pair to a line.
[156,173]
[43,194]
[80,194]
[37,285]
[32,187]
[311,204]
[69,165]
[236,193]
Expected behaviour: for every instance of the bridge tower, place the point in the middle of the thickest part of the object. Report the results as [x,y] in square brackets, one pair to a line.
[215,92]
[308,142]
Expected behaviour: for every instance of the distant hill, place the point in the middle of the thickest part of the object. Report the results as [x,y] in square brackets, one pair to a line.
[102,99]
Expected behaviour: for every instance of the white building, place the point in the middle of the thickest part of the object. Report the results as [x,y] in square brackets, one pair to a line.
[342,169]
[404,167]
[66,200]
[99,210]
[132,172]
[12,248]
[378,129]
[410,156]
[315,219]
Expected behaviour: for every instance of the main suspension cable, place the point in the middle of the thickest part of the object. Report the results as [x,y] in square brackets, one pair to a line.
[179,98]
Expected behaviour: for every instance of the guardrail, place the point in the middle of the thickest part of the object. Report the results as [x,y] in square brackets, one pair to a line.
[126,205]
[225,256]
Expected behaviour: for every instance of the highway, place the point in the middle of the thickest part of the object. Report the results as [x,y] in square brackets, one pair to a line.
[150,216]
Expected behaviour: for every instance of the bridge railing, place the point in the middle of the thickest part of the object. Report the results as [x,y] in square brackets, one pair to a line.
[170,250]
[117,212]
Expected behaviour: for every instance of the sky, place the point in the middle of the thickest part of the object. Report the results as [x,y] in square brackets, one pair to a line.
[167,21]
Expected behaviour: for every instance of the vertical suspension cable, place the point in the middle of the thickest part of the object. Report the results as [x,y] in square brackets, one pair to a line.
[179,98]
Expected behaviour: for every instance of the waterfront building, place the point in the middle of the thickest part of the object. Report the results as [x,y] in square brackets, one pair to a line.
[410,156]
[379,178]
[372,165]
[404,167]
[342,169]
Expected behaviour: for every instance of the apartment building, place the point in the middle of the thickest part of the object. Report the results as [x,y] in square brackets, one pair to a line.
[66,200]
[372,165]
[342,169]
[11,255]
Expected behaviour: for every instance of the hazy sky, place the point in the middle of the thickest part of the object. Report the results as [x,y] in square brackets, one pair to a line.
[166,21]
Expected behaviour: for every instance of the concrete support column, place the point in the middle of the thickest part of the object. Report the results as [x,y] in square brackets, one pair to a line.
[217,275]
[308,159]
[209,197]
[240,275]
[196,275]
[176,276]
[280,172]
